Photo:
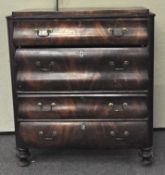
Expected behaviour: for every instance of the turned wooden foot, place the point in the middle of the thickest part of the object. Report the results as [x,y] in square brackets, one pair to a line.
[23,156]
[146,155]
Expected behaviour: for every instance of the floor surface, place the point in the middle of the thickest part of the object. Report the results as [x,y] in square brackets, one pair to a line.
[82,162]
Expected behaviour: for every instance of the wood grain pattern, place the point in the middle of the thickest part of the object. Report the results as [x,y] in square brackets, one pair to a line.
[87,134]
[79,33]
[82,69]
[83,107]
[82,79]
[76,59]
[83,13]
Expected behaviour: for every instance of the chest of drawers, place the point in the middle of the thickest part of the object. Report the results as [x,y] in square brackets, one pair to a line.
[82,79]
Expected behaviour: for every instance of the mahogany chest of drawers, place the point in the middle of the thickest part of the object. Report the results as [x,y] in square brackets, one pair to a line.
[82,79]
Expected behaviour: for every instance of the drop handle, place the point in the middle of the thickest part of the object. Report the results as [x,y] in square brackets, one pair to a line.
[117,31]
[53,104]
[48,107]
[43,32]
[119,67]
[40,105]
[118,107]
[125,135]
[112,133]
[46,137]
[120,139]
[47,68]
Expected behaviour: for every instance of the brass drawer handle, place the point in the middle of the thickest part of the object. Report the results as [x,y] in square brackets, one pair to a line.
[125,105]
[110,29]
[118,108]
[120,139]
[110,104]
[44,136]
[112,133]
[125,30]
[52,105]
[46,108]
[117,31]
[43,32]
[39,104]
[126,133]
[124,65]
[45,69]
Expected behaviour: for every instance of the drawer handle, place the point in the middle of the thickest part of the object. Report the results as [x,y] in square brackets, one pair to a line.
[45,69]
[39,104]
[118,108]
[126,133]
[52,105]
[44,137]
[109,29]
[49,108]
[112,133]
[120,139]
[117,31]
[124,30]
[43,32]
[122,67]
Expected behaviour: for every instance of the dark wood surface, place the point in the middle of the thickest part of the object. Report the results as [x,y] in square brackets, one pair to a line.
[84,134]
[82,69]
[83,107]
[89,32]
[84,13]
[82,79]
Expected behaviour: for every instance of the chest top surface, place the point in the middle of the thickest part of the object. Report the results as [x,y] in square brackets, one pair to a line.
[84,13]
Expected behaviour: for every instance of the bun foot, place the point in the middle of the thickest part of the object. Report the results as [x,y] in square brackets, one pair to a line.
[146,155]
[23,156]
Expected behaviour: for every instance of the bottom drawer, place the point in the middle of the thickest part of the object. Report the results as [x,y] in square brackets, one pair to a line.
[84,134]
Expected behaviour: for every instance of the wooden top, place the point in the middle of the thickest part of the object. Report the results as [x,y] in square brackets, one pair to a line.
[84,13]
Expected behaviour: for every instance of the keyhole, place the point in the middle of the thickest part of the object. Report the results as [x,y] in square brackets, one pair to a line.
[81,54]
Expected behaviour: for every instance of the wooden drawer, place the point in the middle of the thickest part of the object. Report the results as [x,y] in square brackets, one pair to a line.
[82,107]
[81,59]
[84,32]
[82,69]
[84,134]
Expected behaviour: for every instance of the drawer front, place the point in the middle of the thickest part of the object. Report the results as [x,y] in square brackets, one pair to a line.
[81,59]
[82,69]
[83,107]
[84,134]
[81,32]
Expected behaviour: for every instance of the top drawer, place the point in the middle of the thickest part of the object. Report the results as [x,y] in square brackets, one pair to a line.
[81,32]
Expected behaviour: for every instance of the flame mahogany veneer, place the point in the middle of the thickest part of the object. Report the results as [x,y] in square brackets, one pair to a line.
[82,79]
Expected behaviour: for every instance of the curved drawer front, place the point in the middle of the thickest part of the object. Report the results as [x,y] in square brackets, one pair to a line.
[68,81]
[84,134]
[81,59]
[81,32]
[82,107]
[82,69]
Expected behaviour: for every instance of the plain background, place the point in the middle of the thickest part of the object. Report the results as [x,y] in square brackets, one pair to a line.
[7,6]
